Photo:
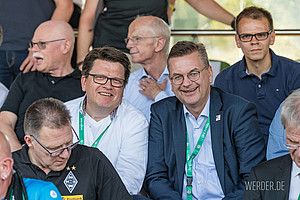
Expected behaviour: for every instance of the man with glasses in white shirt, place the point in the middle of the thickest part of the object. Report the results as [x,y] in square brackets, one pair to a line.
[261,77]
[105,121]
[79,172]
[280,176]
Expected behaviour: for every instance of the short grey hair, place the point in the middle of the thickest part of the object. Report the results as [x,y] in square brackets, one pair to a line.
[290,111]
[161,28]
[184,48]
[48,112]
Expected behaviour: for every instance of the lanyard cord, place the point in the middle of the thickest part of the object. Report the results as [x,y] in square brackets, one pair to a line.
[81,130]
[190,158]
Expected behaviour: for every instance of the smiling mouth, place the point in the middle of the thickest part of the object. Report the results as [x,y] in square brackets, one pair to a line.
[105,94]
[188,91]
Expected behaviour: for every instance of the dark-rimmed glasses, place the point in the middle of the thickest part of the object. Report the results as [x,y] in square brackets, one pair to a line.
[137,39]
[61,150]
[101,79]
[177,79]
[42,45]
[259,36]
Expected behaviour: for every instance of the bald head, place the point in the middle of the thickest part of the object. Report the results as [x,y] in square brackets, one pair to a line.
[4,147]
[55,29]
[155,25]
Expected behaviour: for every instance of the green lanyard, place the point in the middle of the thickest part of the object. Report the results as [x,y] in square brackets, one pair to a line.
[81,131]
[190,158]
[11,195]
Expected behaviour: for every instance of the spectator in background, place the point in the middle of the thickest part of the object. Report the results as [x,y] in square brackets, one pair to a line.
[105,121]
[19,19]
[78,171]
[52,46]
[261,77]
[112,23]
[13,186]
[148,42]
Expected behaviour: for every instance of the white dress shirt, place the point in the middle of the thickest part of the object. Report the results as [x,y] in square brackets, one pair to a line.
[125,143]
[295,182]
[141,102]
[206,183]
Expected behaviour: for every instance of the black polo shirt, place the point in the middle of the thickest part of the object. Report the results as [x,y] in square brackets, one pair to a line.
[88,175]
[31,86]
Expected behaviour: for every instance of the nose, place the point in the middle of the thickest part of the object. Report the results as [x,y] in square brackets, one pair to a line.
[186,81]
[34,47]
[254,40]
[65,154]
[129,44]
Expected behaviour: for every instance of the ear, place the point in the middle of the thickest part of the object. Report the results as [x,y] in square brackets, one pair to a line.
[28,140]
[237,40]
[272,35]
[83,83]
[160,44]
[66,46]
[6,167]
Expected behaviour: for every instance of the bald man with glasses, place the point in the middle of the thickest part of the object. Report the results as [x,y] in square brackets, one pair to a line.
[261,77]
[52,154]
[52,46]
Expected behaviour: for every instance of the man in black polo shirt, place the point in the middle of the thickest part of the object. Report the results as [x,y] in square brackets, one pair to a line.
[52,46]
[79,172]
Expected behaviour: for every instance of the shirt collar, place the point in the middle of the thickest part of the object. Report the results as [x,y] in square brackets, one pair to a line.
[82,107]
[295,170]
[204,113]
[144,74]
[243,71]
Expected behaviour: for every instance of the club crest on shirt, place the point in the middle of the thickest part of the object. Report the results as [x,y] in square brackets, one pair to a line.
[70,181]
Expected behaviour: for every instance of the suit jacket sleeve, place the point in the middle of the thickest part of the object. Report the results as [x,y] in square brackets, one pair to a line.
[158,184]
[247,148]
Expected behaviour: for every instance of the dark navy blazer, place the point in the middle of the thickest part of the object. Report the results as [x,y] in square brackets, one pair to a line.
[237,145]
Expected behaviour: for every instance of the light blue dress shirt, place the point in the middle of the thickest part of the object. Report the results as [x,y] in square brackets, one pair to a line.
[206,183]
[275,147]
[140,101]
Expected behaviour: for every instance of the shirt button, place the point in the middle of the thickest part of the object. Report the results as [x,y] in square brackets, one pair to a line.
[53,82]
[259,86]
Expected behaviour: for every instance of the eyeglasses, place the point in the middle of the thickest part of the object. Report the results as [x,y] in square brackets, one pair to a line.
[101,79]
[193,76]
[42,45]
[137,39]
[259,36]
[61,150]
[292,146]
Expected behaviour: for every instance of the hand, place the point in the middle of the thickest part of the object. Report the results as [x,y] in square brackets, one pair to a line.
[150,88]
[28,63]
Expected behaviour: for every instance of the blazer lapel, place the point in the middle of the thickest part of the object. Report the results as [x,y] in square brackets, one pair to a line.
[179,136]
[216,127]
[286,167]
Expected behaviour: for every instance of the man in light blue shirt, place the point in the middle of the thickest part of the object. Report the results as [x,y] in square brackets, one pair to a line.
[275,147]
[148,42]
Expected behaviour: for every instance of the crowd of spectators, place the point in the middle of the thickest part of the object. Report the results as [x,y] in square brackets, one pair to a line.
[94,130]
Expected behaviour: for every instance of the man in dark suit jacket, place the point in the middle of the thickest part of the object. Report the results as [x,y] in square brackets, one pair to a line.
[279,178]
[233,144]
